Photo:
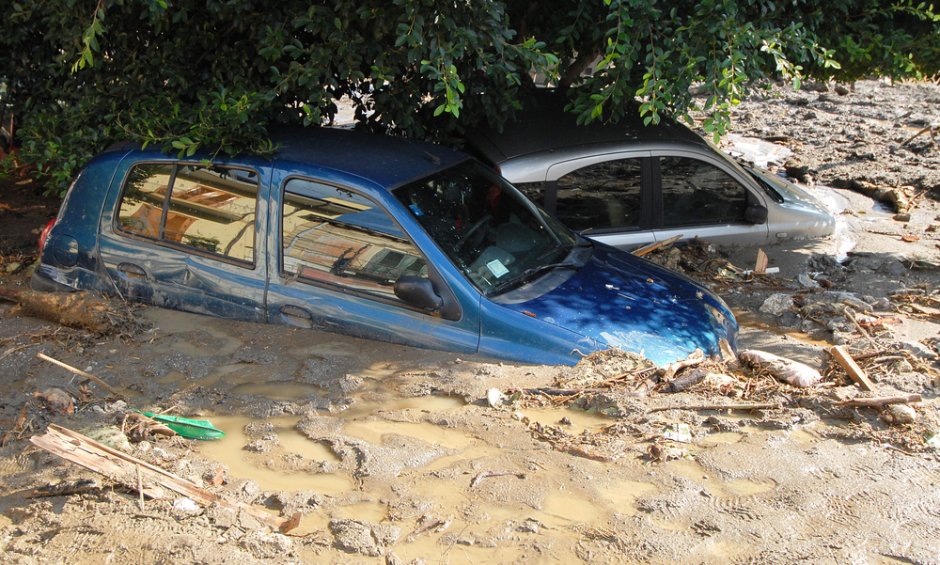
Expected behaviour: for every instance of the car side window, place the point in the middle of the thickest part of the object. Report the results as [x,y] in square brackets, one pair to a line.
[696,192]
[206,208]
[602,196]
[336,236]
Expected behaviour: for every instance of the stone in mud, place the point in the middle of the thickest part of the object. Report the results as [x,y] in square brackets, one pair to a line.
[362,537]
[899,414]
[918,349]
[776,304]
[266,546]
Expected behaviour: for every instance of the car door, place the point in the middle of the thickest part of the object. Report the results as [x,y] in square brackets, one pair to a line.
[605,197]
[340,254]
[698,197]
[184,235]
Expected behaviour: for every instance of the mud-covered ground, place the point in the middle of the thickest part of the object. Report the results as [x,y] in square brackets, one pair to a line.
[397,455]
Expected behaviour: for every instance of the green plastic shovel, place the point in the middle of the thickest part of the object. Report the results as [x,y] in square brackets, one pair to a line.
[187,427]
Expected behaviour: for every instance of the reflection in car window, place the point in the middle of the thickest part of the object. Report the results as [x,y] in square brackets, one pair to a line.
[534,191]
[338,237]
[487,228]
[211,209]
[696,192]
[601,196]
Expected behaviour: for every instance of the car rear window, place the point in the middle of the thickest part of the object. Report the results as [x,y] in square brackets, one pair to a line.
[209,209]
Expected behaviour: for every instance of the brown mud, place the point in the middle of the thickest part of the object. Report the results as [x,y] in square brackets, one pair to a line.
[398,455]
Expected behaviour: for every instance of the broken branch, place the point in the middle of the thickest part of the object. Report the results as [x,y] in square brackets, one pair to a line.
[81,373]
[879,402]
[740,406]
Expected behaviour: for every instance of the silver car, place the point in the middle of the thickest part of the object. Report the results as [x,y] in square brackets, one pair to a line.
[627,184]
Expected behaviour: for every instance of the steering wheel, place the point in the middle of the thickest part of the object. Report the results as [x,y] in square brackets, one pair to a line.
[471,231]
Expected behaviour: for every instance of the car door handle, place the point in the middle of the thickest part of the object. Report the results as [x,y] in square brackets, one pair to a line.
[132,271]
[296,316]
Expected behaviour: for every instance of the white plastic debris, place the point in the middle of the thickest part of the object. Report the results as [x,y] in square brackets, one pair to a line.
[783,369]
[777,304]
[495,397]
[186,505]
[678,432]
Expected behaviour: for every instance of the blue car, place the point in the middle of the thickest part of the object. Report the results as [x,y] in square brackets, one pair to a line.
[369,236]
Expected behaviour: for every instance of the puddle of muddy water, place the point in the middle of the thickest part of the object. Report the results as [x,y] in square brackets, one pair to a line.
[277,390]
[580,421]
[243,464]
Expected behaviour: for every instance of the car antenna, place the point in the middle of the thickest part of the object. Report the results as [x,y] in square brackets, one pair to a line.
[433,158]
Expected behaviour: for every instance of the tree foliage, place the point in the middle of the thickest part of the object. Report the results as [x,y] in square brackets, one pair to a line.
[214,75]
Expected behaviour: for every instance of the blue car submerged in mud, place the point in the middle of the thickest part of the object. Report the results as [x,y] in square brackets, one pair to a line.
[369,236]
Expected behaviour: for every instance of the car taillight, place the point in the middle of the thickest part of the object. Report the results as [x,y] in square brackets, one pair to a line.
[45,233]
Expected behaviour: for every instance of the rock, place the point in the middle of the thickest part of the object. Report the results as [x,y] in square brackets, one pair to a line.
[797,171]
[777,304]
[806,281]
[221,516]
[363,537]
[918,349]
[841,89]
[530,526]
[264,545]
[261,445]
[899,414]
[56,401]
[902,218]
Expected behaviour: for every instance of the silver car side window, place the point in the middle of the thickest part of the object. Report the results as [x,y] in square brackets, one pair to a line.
[602,196]
[696,192]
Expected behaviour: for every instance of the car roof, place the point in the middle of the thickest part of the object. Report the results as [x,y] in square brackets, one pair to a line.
[544,125]
[384,160]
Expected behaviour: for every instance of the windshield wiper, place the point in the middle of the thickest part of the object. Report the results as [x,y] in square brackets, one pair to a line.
[530,274]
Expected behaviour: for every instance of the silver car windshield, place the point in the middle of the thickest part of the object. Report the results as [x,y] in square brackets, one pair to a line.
[497,237]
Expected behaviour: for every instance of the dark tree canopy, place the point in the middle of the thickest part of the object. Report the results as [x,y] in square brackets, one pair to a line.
[213,75]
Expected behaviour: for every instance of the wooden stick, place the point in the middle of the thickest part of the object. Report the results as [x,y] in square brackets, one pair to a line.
[140,487]
[81,373]
[880,401]
[119,466]
[647,249]
[741,406]
[840,354]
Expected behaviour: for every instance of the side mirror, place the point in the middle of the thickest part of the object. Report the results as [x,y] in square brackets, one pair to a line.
[418,291]
[755,214]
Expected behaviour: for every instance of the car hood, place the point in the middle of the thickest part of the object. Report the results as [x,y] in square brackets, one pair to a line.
[626,302]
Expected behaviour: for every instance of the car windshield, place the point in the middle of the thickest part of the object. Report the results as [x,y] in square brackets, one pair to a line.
[496,236]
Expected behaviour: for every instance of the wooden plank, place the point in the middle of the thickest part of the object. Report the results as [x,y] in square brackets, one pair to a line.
[840,354]
[123,468]
[760,266]
[647,249]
